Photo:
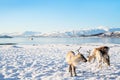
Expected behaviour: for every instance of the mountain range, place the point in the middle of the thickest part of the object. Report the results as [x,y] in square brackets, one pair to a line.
[100,32]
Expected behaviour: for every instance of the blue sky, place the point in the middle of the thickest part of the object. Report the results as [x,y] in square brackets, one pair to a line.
[57,15]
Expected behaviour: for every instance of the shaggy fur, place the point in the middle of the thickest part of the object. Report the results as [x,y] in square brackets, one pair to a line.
[73,61]
[101,55]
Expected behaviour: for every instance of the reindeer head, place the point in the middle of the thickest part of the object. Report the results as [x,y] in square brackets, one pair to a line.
[106,59]
[106,49]
[81,57]
[103,49]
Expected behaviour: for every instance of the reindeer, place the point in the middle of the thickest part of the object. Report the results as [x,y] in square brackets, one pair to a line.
[73,61]
[101,55]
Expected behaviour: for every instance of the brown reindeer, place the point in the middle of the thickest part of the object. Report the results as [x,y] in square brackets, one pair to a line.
[73,61]
[101,55]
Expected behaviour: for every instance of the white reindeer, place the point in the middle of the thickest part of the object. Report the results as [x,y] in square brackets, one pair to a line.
[101,55]
[73,60]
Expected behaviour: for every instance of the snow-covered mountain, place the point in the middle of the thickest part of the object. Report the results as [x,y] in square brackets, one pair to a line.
[31,33]
[102,32]
[11,34]
[112,32]
[24,34]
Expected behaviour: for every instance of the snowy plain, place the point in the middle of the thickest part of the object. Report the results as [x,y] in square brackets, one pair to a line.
[47,62]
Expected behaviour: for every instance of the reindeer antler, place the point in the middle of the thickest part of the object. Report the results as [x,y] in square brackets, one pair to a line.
[79,49]
[89,51]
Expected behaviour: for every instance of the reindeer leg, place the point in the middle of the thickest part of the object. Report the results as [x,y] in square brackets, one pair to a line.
[72,70]
[100,64]
[75,71]
[69,68]
[106,61]
[94,60]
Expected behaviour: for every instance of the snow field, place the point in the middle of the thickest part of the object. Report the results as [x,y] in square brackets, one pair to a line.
[47,62]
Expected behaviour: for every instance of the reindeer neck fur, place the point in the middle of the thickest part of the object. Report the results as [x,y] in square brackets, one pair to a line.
[76,59]
[72,59]
[95,54]
[91,56]
[98,55]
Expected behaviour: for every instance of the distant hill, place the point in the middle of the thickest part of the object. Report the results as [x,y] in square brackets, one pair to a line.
[24,34]
[99,32]
[5,36]
[111,34]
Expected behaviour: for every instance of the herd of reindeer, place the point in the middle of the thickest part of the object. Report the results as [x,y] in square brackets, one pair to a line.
[99,54]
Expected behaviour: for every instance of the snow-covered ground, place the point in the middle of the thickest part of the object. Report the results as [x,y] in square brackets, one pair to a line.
[47,62]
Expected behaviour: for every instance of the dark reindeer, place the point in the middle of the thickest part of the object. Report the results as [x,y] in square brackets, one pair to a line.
[101,55]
